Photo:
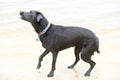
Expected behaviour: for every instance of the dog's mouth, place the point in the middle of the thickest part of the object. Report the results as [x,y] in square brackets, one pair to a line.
[22,18]
[21,15]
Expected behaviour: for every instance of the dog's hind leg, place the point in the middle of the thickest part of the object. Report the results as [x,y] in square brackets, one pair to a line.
[92,64]
[86,54]
[41,58]
[88,60]
[76,52]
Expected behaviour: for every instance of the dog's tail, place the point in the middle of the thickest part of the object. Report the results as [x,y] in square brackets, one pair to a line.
[97,41]
[98,50]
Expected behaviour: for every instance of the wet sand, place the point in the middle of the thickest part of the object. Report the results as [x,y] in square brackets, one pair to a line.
[19,50]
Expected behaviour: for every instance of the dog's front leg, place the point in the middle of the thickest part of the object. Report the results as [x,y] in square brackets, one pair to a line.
[54,54]
[41,58]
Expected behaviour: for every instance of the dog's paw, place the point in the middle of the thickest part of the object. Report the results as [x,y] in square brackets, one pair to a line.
[70,67]
[86,74]
[50,75]
[38,66]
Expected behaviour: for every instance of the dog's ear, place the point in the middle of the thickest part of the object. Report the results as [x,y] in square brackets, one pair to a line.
[39,17]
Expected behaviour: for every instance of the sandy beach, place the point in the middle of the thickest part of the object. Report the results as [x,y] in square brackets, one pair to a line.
[19,50]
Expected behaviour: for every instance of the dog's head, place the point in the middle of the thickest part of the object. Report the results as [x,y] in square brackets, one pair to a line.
[36,18]
[32,16]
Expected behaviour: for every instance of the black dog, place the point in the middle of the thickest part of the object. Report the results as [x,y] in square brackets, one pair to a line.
[55,38]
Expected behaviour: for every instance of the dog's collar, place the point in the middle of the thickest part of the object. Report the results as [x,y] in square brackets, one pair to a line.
[45,30]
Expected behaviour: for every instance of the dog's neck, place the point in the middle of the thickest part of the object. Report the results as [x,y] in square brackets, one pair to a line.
[44,30]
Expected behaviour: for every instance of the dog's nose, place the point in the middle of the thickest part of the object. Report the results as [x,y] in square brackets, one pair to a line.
[21,13]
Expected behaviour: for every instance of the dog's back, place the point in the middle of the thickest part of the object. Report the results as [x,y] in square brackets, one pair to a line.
[65,37]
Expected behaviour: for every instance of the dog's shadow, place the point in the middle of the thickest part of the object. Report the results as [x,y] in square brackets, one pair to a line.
[76,73]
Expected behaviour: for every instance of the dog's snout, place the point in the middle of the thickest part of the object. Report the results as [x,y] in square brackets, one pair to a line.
[21,13]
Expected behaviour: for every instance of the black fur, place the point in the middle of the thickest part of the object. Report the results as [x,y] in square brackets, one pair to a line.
[59,37]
